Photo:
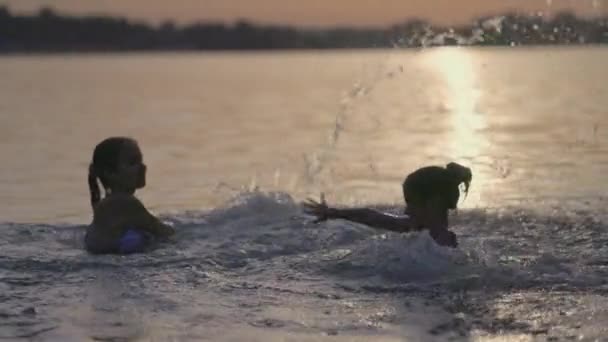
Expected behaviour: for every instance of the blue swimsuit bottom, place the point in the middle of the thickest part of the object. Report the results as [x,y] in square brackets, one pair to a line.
[132,241]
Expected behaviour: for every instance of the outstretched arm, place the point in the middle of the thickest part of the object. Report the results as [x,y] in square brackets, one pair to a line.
[369,217]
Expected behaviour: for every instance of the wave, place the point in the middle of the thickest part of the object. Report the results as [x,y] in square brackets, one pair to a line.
[249,263]
[258,230]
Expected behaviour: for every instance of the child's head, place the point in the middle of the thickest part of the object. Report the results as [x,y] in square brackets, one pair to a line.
[436,187]
[117,163]
[457,174]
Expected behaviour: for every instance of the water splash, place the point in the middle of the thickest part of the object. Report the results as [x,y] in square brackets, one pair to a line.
[259,262]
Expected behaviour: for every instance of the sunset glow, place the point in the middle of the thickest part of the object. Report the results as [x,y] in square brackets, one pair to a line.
[308,13]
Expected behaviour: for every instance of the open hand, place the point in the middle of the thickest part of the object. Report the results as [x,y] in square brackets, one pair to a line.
[318,209]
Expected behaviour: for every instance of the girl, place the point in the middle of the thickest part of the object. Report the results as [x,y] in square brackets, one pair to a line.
[429,193]
[121,223]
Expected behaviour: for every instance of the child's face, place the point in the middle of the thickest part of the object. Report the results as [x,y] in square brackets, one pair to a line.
[131,171]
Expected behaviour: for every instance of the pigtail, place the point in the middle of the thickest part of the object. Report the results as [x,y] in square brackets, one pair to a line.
[461,174]
[93,187]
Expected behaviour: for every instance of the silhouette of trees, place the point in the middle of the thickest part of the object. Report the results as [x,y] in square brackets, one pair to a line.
[48,31]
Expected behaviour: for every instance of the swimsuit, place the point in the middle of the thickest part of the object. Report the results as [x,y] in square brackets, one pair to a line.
[132,241]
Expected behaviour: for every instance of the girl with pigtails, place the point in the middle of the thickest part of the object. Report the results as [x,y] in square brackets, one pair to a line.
[121,224]
[429,193]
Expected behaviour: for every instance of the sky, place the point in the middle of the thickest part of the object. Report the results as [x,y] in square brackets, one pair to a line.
[308,12]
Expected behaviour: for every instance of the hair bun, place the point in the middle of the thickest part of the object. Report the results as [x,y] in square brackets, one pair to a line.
[464,173]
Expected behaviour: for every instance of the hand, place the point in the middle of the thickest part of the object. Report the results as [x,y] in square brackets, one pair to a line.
[444,237]
[318,209]
[167,229]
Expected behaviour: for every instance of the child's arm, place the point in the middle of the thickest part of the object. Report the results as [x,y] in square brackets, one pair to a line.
[369,217]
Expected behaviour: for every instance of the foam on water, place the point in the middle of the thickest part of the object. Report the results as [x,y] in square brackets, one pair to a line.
[259,267]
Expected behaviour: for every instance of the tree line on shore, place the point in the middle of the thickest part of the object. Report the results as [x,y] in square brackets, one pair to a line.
[48,31]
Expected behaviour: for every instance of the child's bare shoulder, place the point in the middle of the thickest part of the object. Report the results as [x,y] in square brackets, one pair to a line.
[120,203]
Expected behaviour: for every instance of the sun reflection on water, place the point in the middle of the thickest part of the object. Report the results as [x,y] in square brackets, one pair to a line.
[466,141]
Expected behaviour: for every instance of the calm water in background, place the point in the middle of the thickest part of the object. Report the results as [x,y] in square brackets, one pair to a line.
[531,123]
[247,265]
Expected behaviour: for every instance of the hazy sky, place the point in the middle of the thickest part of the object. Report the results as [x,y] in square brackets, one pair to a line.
[307,12]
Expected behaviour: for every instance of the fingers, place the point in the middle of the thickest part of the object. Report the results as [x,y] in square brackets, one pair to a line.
[310,201]
[312,207]
[316,208]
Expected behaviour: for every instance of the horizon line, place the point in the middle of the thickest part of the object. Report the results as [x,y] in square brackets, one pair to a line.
[156,23]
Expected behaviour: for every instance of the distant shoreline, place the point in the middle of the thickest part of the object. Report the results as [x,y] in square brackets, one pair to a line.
[50,33]
[85,53]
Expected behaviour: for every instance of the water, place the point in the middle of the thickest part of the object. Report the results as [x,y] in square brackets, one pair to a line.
[233,142]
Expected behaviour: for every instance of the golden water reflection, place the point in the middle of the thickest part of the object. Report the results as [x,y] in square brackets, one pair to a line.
[464,123]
